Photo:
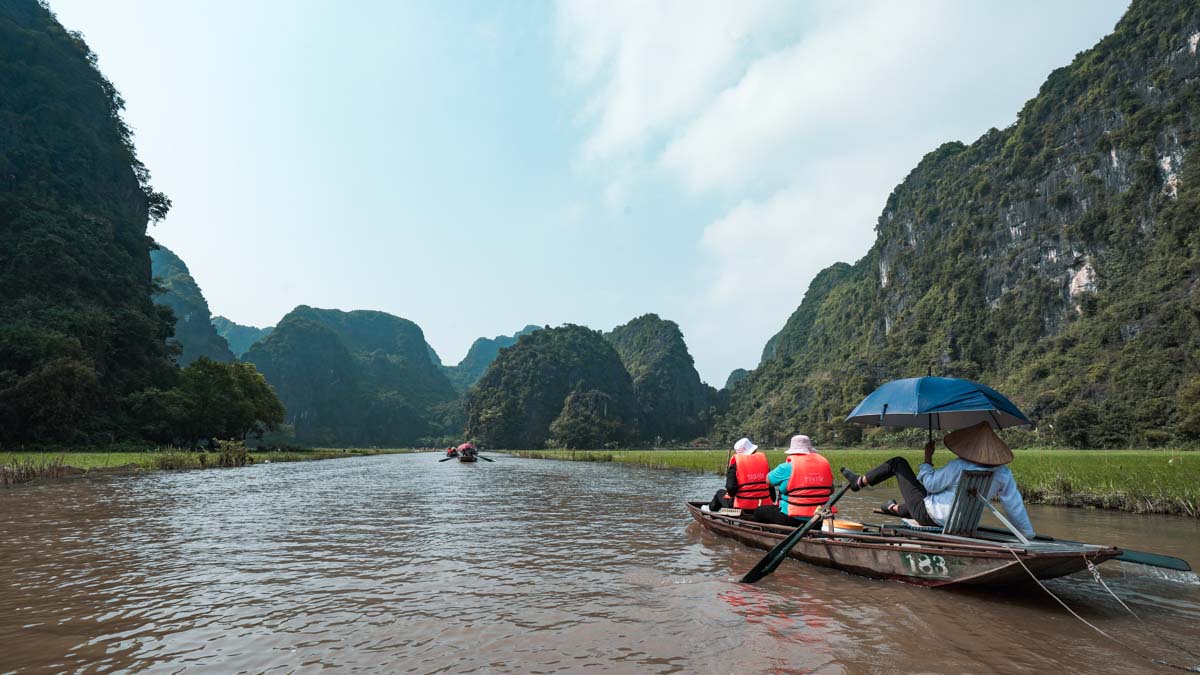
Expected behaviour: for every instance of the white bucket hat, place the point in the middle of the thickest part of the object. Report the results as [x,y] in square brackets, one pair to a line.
[801,445]
[744,447]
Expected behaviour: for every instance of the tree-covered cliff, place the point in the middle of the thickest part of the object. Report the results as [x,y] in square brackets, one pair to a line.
[79,333]
[673,404]
[1057,259]
[564,386]
[194,331]
[481,354]
[353,378]
[239,337]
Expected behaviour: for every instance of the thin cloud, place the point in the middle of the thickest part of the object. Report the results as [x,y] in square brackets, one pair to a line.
[802,141]
[652,64]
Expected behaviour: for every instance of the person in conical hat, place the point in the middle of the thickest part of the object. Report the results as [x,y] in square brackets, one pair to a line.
[929,493]
[745,480]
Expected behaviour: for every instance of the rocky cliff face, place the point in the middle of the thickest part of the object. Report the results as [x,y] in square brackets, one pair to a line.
[481,354]
[673,404]
[1056,259]
[353,378]
[194,330]
[78,331]
[239,337]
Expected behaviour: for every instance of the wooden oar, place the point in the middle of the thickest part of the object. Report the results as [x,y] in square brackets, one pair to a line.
[448,458]
[485,458]
[776,555]
[1127,555]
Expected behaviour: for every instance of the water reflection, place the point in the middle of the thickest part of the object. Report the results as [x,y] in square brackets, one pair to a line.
[401,563]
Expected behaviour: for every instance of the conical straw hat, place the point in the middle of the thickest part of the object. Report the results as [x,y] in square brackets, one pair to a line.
[979,444]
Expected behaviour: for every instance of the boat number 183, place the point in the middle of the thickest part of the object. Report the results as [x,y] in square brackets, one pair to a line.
[925,565]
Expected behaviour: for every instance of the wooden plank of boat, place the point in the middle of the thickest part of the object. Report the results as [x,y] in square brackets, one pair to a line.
[466,458]
[891,553]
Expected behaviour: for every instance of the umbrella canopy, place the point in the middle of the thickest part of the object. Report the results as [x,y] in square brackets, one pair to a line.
[937,403]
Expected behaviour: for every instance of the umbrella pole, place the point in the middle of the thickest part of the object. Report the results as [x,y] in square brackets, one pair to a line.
[929,418]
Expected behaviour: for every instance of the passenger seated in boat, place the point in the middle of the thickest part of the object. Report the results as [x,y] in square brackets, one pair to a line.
[929,493]
[745,480]
[804,482]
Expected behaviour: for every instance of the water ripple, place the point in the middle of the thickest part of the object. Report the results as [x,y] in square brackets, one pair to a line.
[403,564]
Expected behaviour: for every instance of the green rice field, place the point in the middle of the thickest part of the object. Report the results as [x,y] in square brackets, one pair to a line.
[21,467]
[1140,481]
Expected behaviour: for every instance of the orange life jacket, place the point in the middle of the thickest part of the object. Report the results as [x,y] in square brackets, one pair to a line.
[753,490]
[809,486]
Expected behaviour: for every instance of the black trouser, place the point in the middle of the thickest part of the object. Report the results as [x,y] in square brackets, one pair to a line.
[910,488]
[771,514]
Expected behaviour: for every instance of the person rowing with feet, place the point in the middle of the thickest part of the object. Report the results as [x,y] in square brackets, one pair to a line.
[929,493]
[746,484]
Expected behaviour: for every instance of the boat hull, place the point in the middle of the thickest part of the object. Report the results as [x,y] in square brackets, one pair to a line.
[926,560]
[467,459]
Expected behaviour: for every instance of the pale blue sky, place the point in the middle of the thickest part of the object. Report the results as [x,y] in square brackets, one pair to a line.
[478,166]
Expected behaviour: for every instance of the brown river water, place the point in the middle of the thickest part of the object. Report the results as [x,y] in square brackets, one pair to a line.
[399,563]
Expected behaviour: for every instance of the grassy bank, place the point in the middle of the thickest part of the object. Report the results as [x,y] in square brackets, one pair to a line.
[22,467]
[1140,481]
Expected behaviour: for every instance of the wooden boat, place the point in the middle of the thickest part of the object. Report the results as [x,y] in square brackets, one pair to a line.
[915,556]
[468,458]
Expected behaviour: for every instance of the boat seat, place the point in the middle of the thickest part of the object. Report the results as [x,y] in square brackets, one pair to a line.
[969,499]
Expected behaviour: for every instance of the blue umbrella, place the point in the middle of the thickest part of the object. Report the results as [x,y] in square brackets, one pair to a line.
[937,403]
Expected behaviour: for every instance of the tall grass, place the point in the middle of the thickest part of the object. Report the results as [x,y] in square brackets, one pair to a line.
[26,469]
[22,467]
[1140,481]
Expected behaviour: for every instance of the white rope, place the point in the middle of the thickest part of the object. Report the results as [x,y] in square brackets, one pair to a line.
[1099,579]
[1089,624]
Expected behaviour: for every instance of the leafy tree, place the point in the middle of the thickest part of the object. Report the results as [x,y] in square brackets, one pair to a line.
[211,401]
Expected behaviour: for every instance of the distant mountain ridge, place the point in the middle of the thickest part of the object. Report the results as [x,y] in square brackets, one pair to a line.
[239,337]
[353,378]
[481,355]
[673,403]
[559,386]
[194,330]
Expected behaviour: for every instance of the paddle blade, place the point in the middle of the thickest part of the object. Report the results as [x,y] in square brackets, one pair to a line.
[1127,555]
[775,556]
[485,458]
[1154,560]
[448,459]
